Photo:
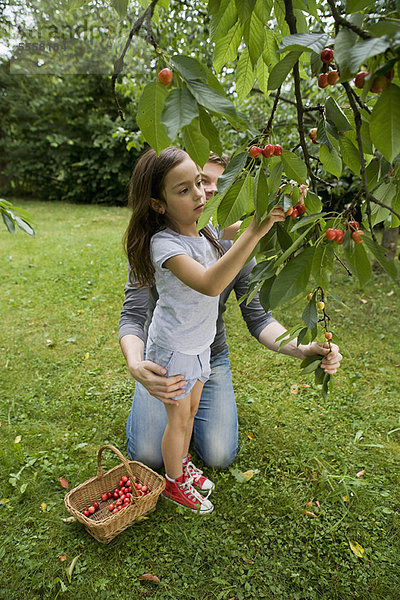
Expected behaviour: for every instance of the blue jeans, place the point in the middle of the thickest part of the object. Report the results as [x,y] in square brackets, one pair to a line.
[215,430]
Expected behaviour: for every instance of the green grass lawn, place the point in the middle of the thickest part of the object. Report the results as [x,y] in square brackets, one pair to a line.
[65,391]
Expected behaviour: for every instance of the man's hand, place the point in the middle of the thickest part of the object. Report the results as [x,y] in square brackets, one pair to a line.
[332,357]
[150,375]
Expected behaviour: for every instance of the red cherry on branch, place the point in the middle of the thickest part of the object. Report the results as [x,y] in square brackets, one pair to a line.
[323,80]
[277,150]
[165,76]
[333,77]
[255,151]
[268,151]
[327,55]
[360,79]
[330,234]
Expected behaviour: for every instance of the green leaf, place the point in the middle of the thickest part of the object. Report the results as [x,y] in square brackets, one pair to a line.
[226,18]
[350,154]
[225,49]
[325,385]
[331,160]
[306,220]
[294,167]
[380,255]
[274,182]
[293,247]
[148,117]
[311,364]
[362,264]
[180,109]
[310,314]
[315,42]
[233,206]
[190,68]
[209,209]
[260,193]
[344,42]
[253,33]
[284,239]
[353,6]
[313,203]
[292,279]
[209,130]
[244,75]
[265,291]
[384,126]
[336,116]
[196,145]
[121,6]
[262,74]
[9,223]
[235,166]
[211,100]
[245,8]
[282,69]
[322,264]
[22,224]
[364,50]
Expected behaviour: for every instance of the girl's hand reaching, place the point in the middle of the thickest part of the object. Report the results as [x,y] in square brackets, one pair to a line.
[276,215]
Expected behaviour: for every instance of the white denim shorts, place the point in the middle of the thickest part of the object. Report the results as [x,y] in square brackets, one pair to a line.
[192,366]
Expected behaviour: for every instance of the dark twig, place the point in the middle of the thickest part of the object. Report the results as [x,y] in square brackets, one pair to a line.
[343,265]
[358,123]
[119,63]
[268,128]
[345,23]
[291,21]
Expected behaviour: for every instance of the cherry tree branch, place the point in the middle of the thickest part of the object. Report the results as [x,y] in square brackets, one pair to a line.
[291,21]
[268,128]
[119,63]
[339,20]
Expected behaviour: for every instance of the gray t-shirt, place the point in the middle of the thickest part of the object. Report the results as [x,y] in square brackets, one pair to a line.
[183,319]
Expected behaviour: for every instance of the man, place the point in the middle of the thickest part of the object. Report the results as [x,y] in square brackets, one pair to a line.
[215,432]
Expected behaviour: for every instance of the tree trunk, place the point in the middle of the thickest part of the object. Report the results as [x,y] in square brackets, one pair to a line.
[389,242]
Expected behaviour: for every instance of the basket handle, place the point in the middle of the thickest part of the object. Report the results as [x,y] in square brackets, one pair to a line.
[121,456]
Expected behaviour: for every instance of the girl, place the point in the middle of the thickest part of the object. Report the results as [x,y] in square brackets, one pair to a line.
[189,270]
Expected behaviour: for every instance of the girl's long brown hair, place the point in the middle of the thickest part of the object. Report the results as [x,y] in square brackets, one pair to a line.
[147,182]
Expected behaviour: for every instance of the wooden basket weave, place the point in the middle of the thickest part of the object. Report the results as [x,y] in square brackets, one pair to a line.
[103,525]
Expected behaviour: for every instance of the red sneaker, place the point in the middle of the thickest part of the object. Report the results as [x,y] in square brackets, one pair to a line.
[200,482]
[183,493]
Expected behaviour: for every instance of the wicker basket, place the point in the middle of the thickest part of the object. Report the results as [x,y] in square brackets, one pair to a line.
[103,525]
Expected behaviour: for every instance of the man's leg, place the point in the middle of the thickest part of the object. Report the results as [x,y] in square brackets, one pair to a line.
[145,427]
[215,429]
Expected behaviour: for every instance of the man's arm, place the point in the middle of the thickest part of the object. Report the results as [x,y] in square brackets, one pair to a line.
[131,339]
[332,356]
[266,329]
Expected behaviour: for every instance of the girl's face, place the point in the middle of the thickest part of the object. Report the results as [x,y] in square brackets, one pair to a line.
[184,196]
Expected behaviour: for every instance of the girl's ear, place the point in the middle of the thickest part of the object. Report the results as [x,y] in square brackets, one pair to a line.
[157,206]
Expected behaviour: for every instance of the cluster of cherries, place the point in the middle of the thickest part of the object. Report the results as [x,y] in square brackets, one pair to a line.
[122,496]
[268,151]
[379,82]
[296,211]
[337,235]
[331,77]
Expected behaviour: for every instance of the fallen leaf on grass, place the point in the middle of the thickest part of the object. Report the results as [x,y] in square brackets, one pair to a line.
[50,343]
[43,506]
[4,500]
[318,504]
[86,356]
[295,388]
[345,498]
[361,473]
[64,482]
[357,549]
[250,435]
[149,577]
[248,474]
[69,520]
[18,439]
[62,557]
[140,519]
[310,514]
[71,567]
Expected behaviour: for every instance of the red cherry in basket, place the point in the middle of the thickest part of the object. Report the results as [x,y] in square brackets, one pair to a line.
[91,509]
[119,508]
[86,513]
[128,483]
[129,490]
[121,483]
[124,478]
[144,488]
[115,495]
[96,505]
[111,506]
[104,497]
[115,510]
[109,494]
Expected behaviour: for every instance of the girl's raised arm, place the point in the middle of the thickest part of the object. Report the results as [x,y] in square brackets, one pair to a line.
[213,281]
